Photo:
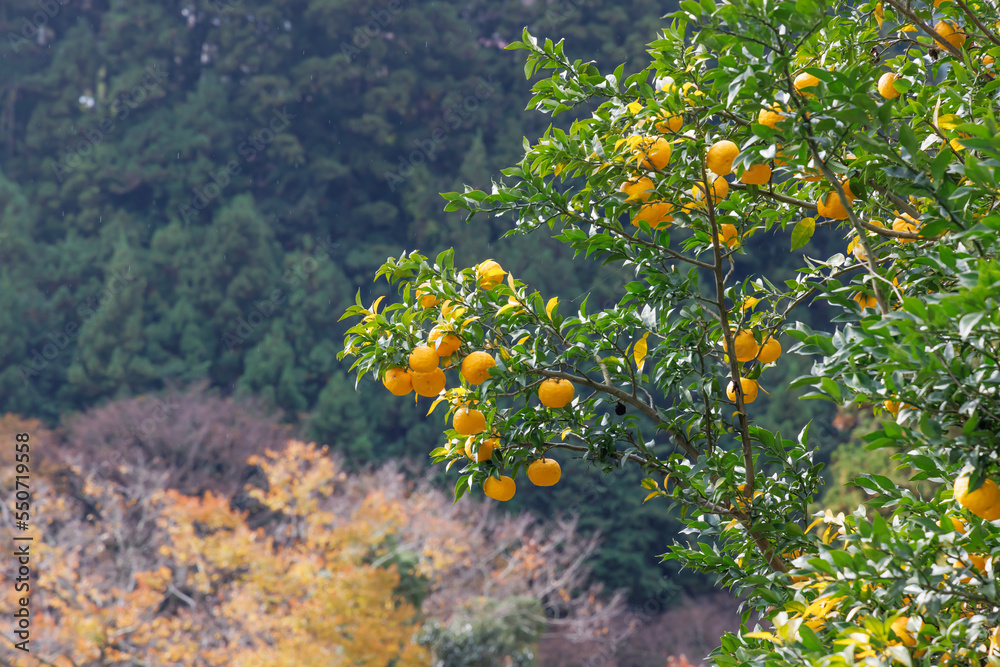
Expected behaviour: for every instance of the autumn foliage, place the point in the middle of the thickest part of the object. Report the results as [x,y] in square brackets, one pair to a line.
[132,571]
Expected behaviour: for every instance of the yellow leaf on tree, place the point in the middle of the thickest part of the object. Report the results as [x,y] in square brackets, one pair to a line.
[640,350]
[506,307]
[551,306]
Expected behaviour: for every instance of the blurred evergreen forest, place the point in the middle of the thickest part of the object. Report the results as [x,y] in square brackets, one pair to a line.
[196,189]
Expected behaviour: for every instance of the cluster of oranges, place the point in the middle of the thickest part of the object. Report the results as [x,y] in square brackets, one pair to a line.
[425,376]
[653,153]
[747,349]
[553,393]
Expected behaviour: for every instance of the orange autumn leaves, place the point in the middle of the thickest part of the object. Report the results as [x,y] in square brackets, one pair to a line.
[233,594]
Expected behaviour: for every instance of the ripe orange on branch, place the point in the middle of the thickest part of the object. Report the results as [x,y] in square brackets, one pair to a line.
[746,346]
[984,502]
[499,489]
[829,206]
[770,116]
[756,174]
[423,359]
[672,123]
[729,235]
[954,35]
[652,152]
[428,384]
[556,393]
[805,80]
[490,274]
[425,299]
[720,188]
[485,452]
[544,472]
[906,223]
[886,87]
[720,157]
[654,214]
[469,422]
[899,627]
[641,189]
[476,367]
[769,351]
[449,342]
[749,388]
[398,381]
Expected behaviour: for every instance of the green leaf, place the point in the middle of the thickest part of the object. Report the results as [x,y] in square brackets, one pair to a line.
[803,231]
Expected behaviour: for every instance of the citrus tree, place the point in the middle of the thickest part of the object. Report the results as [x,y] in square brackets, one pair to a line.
[757,122]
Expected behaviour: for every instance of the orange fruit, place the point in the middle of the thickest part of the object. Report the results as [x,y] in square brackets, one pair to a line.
[720,157]
[891,406]
[805,80]
[556,393]
[866,301]
[886,88]
[450,309]
[984,502]
[672,123]
[953,523]
[955,35]
[654,214]
[653,153]
[476,367]
[769,351]
[987,60]
[490,274]
[976,562]
[640,189]
[746,346]
[906,223]
[423,359]
[770,116]
[749,388]
[756,174]
[499,489]
[899,627]
[830,207]
[425,299]
[485,452]
[544,472]
[720,188]
[728,235]
[468,422]
[428,384]
[448,344]
[398,381]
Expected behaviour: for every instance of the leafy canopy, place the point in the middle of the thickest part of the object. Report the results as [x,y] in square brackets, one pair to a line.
[906,172]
